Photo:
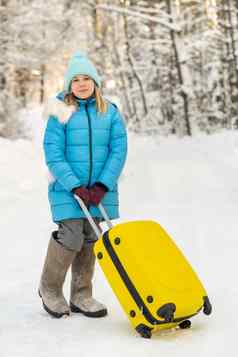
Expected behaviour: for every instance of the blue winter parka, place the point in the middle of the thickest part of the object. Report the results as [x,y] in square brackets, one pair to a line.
[80,149]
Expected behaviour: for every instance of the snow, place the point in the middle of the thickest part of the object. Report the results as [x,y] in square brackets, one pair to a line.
[188,185]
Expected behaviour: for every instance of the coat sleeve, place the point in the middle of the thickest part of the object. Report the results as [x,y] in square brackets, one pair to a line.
[54,150]
[117,153]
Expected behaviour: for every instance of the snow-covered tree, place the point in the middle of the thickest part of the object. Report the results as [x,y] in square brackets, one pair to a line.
[9,104]
[172,64]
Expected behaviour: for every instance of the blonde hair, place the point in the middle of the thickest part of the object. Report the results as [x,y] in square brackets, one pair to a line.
[101,103]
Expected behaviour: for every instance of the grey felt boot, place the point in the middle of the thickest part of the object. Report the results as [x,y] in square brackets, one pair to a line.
[57,262]
[81,299]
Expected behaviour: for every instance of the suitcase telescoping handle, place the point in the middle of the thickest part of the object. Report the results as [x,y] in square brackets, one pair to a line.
[85,210]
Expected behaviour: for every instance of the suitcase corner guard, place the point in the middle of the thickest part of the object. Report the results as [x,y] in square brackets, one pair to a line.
[207,307]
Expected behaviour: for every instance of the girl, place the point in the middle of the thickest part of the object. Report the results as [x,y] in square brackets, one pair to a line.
[85,147]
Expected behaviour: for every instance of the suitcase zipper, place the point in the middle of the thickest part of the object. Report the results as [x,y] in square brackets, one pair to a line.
[131,288]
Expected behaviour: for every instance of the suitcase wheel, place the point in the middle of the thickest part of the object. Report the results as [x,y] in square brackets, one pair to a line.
[207,307]
[185,324]
[144,331]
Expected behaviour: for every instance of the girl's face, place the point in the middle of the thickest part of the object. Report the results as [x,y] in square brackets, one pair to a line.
[82,86]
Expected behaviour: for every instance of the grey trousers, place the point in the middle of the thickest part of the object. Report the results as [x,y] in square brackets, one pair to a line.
[73,233]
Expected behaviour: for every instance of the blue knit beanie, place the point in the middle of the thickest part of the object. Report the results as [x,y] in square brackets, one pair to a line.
[80,64]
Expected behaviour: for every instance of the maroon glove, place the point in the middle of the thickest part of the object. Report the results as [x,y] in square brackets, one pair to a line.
[97,192]
[83,193]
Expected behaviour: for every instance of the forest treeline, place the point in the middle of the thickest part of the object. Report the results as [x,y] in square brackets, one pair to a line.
[171,64]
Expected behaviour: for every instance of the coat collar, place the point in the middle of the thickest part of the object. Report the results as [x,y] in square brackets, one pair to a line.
[57,107]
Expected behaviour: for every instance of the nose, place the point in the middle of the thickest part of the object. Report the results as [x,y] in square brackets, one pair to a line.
[82,86]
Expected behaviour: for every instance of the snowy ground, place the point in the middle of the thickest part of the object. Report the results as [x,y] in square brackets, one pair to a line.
[190,186]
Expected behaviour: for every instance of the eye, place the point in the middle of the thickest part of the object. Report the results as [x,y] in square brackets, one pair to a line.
[86,78]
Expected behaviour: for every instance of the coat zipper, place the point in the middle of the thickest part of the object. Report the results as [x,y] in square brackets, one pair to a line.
[90,146]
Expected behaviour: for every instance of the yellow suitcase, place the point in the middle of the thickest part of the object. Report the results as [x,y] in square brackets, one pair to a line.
[153,281]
